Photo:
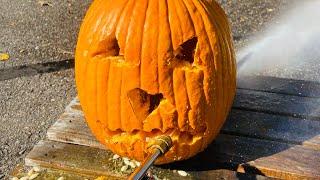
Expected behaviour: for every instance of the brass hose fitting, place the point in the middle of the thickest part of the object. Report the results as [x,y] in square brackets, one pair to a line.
[161,145]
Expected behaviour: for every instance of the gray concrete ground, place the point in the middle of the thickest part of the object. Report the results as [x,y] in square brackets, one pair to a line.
[38,31]
[33,32]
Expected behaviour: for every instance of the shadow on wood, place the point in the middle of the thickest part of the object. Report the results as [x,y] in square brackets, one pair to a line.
[273,127]
[267,133]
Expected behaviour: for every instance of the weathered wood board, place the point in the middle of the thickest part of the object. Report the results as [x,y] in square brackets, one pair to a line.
[272,127]
[271,131]
[279,85]
[237,152]
[96,162]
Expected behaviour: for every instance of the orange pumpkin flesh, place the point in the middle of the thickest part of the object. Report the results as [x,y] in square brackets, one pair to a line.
[150,67]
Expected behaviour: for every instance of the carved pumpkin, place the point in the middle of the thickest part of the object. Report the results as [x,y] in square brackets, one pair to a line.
[150,67]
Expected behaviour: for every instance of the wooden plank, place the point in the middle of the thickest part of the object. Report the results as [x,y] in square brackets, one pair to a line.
[221,174]
[282,104]
[97,162]
[280,85]
[72,158]
[288,105]
[270,158]
[274,127]
[242,154]
[21,171]
[71,128]
[276,139]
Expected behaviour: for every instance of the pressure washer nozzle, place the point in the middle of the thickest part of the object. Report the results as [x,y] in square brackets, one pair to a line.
[161,145]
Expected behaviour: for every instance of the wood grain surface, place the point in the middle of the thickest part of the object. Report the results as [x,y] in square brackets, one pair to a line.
[273,130]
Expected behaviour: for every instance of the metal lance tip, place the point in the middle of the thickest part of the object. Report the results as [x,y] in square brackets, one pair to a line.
[161,145]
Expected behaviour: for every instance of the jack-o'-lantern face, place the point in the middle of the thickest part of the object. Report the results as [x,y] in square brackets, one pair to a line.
[149,67]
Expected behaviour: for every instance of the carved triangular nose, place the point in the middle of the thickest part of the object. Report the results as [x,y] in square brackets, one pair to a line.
[143,103]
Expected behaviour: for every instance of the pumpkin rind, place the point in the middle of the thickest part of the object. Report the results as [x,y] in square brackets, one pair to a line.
[125,45]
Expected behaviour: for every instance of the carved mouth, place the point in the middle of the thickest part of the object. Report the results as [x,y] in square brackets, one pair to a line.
[140,108]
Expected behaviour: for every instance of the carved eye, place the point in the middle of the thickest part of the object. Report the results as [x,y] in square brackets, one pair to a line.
[186,51]
[107,47]
[143,103]
[112,47]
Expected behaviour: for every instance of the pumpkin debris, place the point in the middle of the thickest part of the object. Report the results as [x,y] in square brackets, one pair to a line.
[45,3]
[124,168]
[132,164]
[31,172]
[101,178]
[4,56]
[126,161]
[37,169]
[116,156]
[33,176]
[182,173]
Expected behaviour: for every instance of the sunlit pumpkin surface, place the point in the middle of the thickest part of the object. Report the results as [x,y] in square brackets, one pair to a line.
[151,67]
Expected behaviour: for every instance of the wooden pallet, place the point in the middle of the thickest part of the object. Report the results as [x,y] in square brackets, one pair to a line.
[273,131]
